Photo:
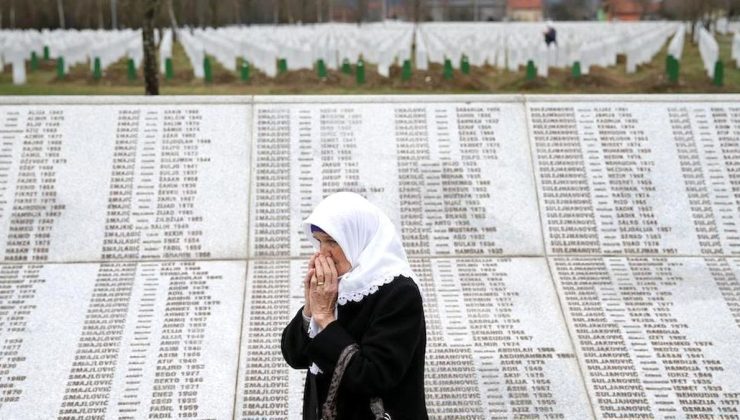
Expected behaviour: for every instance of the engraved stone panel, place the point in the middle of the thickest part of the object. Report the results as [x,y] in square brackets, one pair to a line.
[657,337]
[496,343]
[454,177]
[122,340]
[109,182]
[638,177]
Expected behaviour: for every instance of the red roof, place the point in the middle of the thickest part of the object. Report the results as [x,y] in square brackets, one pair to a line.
[525,4]
[630,7]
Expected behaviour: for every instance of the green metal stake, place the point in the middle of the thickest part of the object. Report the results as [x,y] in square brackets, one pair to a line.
[447,71]
[282,65]
[531,70]
[673,68]
[60,68]
[360,72]
[131,69]
[46,52]
[34,61]
[321,69]
[207,71]
[406,71]
[575,71]
[169,69]
[719,73]
[465,65]
[346,67]
[245,71]
[97,71]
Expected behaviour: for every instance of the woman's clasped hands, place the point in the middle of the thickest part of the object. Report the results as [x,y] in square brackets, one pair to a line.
[320,289]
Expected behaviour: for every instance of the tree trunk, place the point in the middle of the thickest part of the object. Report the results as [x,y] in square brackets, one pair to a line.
[113,14]
[361,8]
[213,20]
[101,18]
[201,13]
[60,10]
[173,19]
[236,7]
[151,70]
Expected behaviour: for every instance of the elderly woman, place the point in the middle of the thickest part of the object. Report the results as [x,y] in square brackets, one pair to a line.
[361,332]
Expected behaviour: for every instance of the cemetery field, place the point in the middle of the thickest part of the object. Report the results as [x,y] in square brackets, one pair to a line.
[649,78]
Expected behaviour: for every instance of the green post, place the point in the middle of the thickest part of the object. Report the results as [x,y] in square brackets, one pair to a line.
[245,71]
[60,68]
[346,66]
[282,65]
[447,71]
[673,68]
[531,70]
[169,69]
[131,67]
[575,71]
[97,71]
[719,73]
[46,52]
[321,69]
[207,71]
[360,72]
[406,70]
[465,64]
[34,61]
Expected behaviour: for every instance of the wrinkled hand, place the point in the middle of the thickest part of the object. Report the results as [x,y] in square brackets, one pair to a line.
[323,291]
[307,285]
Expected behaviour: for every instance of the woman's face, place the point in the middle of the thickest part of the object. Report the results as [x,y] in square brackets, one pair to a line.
[329,248]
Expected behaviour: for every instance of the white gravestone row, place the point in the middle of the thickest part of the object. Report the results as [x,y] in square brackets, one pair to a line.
[579,257]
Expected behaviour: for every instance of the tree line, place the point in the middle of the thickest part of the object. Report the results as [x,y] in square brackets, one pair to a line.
[107,14]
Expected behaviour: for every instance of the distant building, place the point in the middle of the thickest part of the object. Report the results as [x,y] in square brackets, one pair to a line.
[524,10]
[630,9]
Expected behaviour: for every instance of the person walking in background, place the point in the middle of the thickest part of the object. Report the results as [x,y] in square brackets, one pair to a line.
[551,34]
[361,332]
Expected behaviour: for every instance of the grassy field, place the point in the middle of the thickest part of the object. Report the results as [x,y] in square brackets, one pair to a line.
[649,78]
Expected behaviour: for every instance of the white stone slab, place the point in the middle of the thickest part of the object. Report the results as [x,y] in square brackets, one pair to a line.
[638,178]
[515,357]
[91,183]
[655,336]
[121,340]
[455,178]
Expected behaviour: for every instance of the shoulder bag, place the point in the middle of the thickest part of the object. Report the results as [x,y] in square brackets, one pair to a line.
[329,410]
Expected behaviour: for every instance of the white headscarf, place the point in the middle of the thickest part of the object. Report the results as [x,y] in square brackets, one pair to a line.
[367,238]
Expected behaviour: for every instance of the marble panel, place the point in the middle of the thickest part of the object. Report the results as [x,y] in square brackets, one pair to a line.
[657,337]
[497,346]
[123,340]
[84,183]
[638,177]
[454,177]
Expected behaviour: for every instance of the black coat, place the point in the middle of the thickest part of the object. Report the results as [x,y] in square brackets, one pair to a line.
[390,329]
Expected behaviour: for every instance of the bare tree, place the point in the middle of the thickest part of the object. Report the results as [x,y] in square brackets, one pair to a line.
[173,19]
[60,10]
[113,14]
[361,10]
[101,19]
[416,10]
[151,73]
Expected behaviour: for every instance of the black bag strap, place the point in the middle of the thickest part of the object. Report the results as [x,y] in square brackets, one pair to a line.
[329,410]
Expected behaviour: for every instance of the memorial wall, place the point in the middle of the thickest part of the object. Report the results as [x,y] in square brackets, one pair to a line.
[579,255]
